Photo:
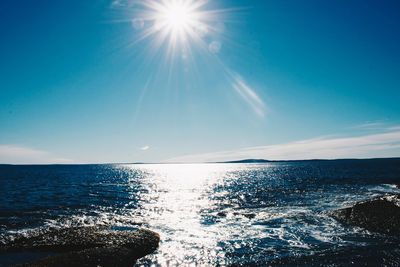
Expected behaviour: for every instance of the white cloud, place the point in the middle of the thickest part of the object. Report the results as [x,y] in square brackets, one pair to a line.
[16,154]
[383,144]
[145,148]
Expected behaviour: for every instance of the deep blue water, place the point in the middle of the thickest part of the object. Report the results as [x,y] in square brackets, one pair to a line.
[209,214]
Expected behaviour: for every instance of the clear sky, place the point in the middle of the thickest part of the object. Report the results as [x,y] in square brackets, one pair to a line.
[104,81]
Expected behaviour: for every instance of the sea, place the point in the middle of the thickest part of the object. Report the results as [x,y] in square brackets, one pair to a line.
[216,214]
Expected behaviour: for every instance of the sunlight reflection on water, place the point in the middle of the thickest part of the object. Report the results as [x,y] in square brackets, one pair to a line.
[211,214]
[174,205]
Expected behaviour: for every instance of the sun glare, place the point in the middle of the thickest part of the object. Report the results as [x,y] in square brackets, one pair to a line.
[179,24]
[177,16]
[178,19]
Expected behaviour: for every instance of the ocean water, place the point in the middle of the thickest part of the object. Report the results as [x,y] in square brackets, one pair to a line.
[208,214]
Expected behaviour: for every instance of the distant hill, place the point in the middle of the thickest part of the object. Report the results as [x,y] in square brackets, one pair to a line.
[304,160]
[248,161]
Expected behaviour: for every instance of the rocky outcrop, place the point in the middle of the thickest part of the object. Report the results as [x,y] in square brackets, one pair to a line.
[92,257]
[88,246]
[103,256]
[378,215]
[371,255]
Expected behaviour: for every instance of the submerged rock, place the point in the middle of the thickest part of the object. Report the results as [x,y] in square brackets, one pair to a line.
[88,246]
[378,215]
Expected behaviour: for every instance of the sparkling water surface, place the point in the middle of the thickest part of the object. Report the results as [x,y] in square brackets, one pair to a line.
[206,214]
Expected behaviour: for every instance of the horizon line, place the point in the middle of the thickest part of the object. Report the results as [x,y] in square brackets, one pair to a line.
[239,161]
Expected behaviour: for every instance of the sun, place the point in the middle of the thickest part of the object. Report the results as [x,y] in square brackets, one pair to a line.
[177,16]
[175,22]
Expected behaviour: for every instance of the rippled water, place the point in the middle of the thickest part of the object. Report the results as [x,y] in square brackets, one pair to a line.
[206,214]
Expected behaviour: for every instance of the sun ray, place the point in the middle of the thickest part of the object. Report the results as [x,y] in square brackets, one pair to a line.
[177,25]
[184,35]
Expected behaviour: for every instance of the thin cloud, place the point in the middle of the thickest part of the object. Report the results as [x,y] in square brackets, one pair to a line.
[16,154]
[371,125]
[145,148]
[383,144]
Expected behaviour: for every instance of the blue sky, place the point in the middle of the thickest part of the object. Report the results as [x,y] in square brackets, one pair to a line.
[79,84]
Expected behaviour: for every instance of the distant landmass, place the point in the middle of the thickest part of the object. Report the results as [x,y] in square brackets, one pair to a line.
[248,161]
[299,160]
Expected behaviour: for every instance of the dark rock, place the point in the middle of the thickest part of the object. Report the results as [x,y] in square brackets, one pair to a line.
[221,214]
[85,237]
[378,215]
[103,256]
[88,246]
[249,215]
[372,255]
[246,215]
